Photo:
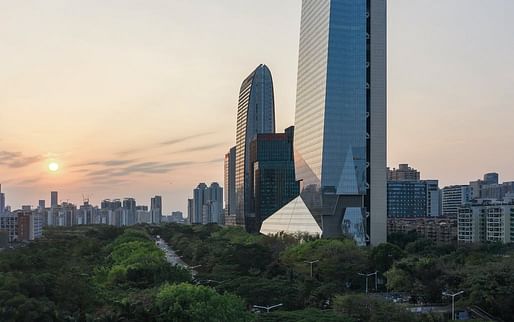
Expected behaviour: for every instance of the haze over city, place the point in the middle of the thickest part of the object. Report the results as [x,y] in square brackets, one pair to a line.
[131,98]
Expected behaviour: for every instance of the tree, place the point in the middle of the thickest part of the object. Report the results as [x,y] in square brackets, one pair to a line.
[384,255]
[185,302]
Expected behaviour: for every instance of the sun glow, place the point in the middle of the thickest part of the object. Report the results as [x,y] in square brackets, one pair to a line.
[53,166]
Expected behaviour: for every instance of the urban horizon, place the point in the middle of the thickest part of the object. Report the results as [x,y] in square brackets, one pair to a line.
[187,159]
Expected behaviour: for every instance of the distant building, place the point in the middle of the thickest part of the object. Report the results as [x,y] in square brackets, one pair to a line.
[207,204]
[54,199]
[272,176]
[42,204]
[439,230]
[9,224]
[413,198]
[487,221]
[230,182]
[2,201]
[30,225]
[403,173]
[454,197]
[156,209]
[255,114]
[129,204]
[191,211]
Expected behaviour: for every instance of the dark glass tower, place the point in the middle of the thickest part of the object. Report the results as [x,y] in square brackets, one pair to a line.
[273,182]
[255,114]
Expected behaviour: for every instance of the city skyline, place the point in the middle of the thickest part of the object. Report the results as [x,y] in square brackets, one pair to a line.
[116,91]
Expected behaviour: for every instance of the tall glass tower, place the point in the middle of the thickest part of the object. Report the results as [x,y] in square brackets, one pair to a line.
[255,115]
[340,126]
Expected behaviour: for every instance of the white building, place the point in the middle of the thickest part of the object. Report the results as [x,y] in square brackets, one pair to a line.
[454,197]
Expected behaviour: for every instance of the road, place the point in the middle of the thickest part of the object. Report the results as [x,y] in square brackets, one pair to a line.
[172,257]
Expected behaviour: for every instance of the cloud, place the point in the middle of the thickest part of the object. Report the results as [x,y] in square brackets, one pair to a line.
[138,168]
[185,138]
[17,159]
[201,147]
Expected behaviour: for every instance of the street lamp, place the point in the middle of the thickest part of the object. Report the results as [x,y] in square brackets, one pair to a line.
[192,269]
[453,301]
[267,308]
[367,275]
[311,263]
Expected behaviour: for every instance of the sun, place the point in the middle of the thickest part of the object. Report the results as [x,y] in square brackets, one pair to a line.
[53,166]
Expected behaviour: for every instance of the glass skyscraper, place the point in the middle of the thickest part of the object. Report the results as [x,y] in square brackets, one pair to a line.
[255,114]
[340,126]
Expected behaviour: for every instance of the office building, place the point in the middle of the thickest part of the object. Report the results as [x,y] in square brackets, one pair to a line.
[453,197]
[206,207]
[413,198]
[255,114]
[9,224]
[199,195]
[340,123]
[272,176]
[486,221]
[403,173]
[230,182]
[191,211]
[2,201]
[54,199]
[41,204]
[156,209]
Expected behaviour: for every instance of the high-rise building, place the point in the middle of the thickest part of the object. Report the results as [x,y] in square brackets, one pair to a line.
[487,221]
[42,204]
[156,209]
[199,195]
[191,211]
[214,200]
[272,180]
[230,182]
[404,172]
[255,114]
[340,125]
[2,201]
[54,199]
[413,198]
[454,197]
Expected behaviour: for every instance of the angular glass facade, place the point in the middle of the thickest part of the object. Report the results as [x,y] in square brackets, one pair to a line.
[340,117]
[255,114]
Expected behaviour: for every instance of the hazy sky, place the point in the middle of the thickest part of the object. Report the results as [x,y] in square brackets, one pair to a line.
[137,98]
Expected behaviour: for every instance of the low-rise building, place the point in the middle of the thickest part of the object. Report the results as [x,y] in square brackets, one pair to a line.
[439,230]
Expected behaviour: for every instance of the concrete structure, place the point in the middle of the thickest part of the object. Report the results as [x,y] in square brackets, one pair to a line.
[255,114]
[2,201]
[54,199]
[439,230]
[403,173]
[156,209]
[454,197]
[413,198]
[272,179]
[487,221]
[230,182]
[340,123]
[9,224]
[191,211]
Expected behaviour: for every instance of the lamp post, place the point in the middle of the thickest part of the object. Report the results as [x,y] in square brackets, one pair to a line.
[311,263]
[453,301]
[367,275]
[267,308]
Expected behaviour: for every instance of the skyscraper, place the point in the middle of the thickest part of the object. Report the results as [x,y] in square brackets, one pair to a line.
[230,181]
[199,195]
[156,209]
[340,124]
[255,114]
[272,180]
[54,199]
[2,201]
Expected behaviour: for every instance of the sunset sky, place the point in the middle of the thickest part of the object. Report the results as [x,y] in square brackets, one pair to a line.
[138,98]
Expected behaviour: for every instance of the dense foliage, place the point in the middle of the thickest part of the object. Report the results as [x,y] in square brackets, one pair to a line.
[113,274]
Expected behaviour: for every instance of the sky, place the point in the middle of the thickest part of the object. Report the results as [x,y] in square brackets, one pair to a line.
[135,98]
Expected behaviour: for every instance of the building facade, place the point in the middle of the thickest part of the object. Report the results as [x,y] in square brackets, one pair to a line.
[156,209]
[486,221]
[404,172]
[255,114]
[413,198]
[230,182]
[454,197]
[340,122]
[2,201]
[54,199]
[439,230]
[272,180]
